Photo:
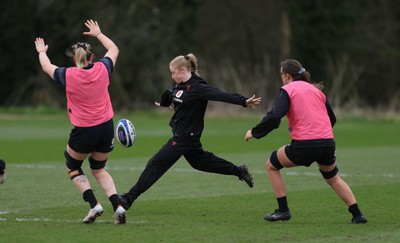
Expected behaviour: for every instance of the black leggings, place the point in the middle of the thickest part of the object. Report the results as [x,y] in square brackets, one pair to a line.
[169,154]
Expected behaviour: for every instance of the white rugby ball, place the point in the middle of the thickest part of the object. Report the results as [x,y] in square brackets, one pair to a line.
[125,132]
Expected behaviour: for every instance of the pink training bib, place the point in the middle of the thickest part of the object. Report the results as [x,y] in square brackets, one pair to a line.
[307,116]
[88,100]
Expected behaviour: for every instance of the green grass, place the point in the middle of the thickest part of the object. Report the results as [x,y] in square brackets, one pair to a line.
[38,203]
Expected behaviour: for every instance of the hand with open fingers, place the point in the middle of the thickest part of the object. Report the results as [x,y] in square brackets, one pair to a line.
[94,28]
[248,135]
[40,45]
[252,101]
[158,104]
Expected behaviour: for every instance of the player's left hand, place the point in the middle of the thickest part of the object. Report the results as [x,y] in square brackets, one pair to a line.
[252,101]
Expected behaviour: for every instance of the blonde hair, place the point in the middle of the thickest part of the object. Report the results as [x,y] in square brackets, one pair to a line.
[82,54]
[188,61]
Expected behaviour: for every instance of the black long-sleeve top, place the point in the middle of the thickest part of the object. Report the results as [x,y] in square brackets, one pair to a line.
[279,109]
[190,101]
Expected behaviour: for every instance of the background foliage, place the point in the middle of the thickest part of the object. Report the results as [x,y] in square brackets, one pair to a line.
[352,46]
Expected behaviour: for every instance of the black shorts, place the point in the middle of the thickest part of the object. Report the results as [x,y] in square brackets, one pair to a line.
[307,156]
[98,138]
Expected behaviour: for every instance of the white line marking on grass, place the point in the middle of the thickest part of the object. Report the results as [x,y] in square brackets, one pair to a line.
[388,175]
[188,170]
[295,173]
[33,166]
[71,221]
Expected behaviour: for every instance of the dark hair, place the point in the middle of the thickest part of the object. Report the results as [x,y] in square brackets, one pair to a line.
[298,72]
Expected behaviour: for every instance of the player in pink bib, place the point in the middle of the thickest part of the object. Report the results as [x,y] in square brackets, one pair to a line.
[311,119]
[90,111]
[87,94]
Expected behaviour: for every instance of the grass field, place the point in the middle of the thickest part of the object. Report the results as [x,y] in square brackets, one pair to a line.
[38,203]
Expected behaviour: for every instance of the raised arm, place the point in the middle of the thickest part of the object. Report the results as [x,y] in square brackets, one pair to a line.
[44,60]
[94,30]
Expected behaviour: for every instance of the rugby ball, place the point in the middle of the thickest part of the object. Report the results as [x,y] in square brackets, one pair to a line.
[125,132]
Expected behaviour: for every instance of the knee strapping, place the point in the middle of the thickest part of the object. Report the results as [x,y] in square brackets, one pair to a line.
[275,161]
[74,173]
[96,164]
[330,174]
[73,166]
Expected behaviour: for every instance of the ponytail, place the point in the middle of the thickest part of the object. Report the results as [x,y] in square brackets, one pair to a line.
[82,54]
[188,61]
[298,72]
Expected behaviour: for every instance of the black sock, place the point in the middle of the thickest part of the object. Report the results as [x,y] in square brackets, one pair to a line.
[89,197]
[282,203]
[114,199]
[354,210]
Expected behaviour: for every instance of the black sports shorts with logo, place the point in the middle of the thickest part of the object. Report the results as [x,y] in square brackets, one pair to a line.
[322,151]
[98,138]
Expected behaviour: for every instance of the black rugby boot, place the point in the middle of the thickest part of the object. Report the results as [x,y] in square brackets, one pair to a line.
[360,219]
[245,175]
[278,215]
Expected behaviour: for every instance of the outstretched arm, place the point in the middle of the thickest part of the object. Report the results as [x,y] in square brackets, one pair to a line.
[252,101]
[211,93]
[273,118]
[44,60]
[94,30]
